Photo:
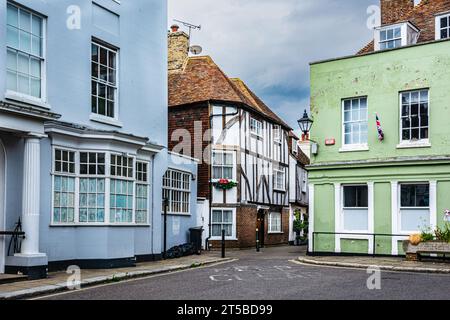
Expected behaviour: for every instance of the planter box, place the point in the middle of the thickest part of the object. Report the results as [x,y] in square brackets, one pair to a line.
[413,252]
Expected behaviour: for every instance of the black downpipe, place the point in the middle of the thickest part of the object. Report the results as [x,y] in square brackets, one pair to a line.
[212,115]
[166,204]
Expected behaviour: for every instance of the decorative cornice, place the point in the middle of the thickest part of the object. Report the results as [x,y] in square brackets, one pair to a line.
[28,111]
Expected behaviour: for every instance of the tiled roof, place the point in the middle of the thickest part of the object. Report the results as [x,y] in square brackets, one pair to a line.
[202,80]
[302,158]
[422,16]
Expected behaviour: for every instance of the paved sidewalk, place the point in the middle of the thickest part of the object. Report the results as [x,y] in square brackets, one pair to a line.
[57,281]
[383,263]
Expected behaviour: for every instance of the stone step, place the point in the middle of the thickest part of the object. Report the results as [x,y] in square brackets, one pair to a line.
[10,278]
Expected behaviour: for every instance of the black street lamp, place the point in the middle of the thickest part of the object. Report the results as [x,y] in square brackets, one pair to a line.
[305,124]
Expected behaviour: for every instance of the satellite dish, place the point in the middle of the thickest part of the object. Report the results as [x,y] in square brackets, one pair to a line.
[196,50]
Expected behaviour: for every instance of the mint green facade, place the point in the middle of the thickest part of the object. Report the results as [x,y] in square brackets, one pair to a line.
[383,165]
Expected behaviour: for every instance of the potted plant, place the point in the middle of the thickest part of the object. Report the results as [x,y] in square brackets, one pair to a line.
[225,184]
[301,229]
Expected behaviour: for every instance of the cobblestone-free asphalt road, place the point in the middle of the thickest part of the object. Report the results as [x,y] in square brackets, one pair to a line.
[269,275]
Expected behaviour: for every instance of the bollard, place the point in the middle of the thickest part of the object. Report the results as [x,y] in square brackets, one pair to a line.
[257,240]
[223,244]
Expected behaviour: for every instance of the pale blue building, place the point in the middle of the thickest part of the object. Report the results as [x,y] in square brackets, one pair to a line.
[83,134]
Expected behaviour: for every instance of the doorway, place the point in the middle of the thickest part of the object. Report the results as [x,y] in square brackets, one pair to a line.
[2,205]
[260,225]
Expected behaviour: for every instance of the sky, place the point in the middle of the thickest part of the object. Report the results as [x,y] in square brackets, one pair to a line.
[270,43]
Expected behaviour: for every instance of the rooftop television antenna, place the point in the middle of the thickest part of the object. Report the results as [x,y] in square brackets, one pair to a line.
[196,50]
[189,25]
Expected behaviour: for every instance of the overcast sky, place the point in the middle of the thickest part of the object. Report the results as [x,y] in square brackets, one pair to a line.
[269,43]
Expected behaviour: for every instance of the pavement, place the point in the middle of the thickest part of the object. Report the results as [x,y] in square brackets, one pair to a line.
[58,281]
[273,274]
[382,263]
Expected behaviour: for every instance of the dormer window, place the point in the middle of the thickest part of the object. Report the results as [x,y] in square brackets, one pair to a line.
[443,27]
[395,36]
[391,38]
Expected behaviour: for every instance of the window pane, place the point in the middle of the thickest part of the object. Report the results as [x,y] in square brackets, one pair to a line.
[25,41]
[36,48]
[12,37]
[11,81]
[24,85]
[35,89]
[444,22]
[414,220]
[12,16]
[355,197]
[356,220]
[37,26]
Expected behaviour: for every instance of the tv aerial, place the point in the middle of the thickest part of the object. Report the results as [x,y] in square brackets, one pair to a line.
[195,50]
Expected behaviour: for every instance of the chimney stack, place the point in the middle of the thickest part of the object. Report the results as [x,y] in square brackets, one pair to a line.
[392,11]
[178,48]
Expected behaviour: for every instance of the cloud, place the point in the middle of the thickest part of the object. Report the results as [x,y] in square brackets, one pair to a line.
[269,44]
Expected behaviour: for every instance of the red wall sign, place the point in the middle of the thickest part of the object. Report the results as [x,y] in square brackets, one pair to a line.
[330,142]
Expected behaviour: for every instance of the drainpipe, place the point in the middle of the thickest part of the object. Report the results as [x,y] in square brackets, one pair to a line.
[209,166]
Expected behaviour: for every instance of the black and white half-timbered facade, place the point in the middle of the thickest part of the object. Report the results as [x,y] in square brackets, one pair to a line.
[244,147]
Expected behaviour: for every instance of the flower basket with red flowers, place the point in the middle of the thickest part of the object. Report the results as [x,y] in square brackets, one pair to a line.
[225,184]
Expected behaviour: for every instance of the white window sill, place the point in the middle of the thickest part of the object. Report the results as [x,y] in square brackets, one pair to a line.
[102,225]
[220,239]
[414,144]
[105,120]
[354,148]
[11,95]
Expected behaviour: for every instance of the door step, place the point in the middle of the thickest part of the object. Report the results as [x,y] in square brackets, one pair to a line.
[10,278]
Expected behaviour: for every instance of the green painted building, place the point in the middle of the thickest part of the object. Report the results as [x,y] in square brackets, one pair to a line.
[361,185]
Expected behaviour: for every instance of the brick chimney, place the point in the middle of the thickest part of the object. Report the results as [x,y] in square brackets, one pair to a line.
[178,48]
[392,11]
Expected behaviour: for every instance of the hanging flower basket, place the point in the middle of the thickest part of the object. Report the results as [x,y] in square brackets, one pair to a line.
[225,184]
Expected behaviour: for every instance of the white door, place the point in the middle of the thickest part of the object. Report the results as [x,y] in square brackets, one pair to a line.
[2,206]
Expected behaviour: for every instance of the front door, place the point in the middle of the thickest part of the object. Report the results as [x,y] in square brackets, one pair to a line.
[2,207]
[260,225]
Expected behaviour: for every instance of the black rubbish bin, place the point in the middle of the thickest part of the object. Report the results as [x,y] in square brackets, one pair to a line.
[196,238]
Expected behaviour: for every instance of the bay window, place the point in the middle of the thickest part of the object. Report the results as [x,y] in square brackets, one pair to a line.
[99,188]
[177,190]
[355,121]
[414,115]
[414,207]
[275,222]
[25,52]
[355,208]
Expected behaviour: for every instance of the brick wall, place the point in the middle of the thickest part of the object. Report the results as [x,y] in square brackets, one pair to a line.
[178,49]
[184,117]
[282,238]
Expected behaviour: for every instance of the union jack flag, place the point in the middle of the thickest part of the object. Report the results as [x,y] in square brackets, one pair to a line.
[380,130]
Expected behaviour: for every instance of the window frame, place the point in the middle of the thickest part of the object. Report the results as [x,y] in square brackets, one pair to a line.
[222,166]
[277,138]
[256,127]
[182,192]
[400,207]
[354,146]
[394,39]
[233,228]
[276,173]
[16,95]
[413,143]
[343,208]
[95,115]
[439,28]
[270,226]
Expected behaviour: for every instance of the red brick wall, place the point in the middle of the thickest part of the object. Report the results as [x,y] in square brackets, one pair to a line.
[246,230]
[282,238]
[184,117]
